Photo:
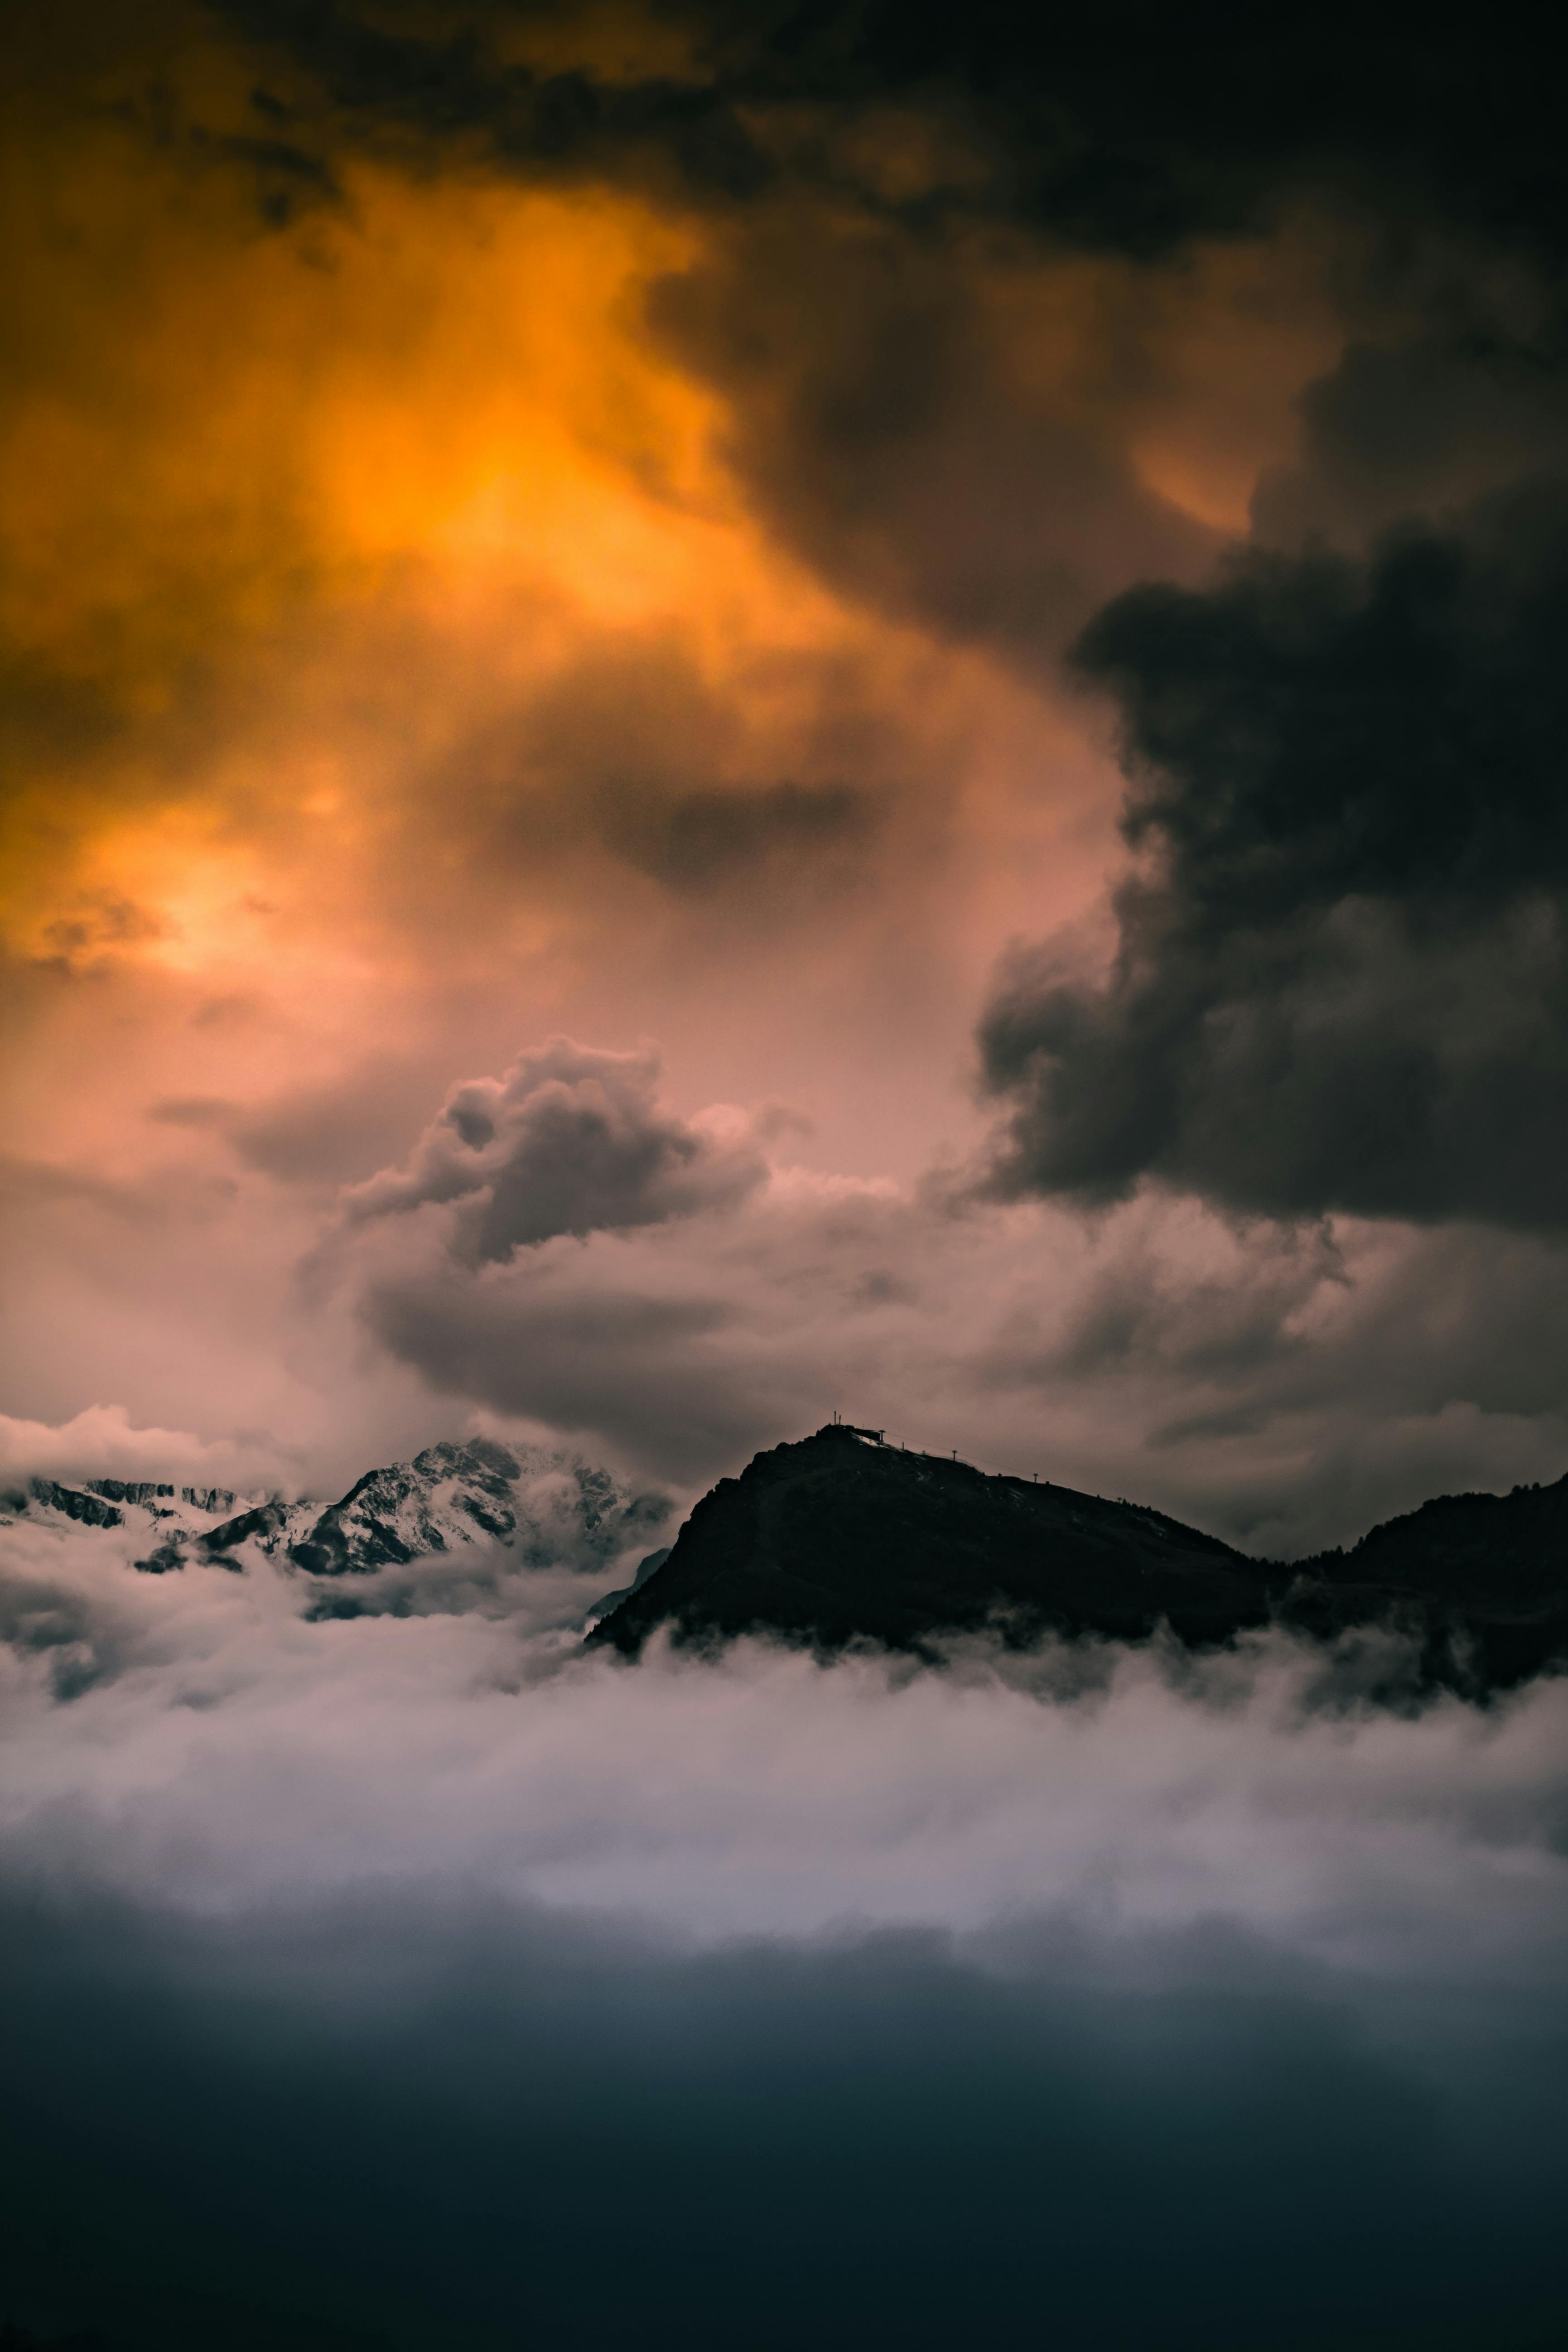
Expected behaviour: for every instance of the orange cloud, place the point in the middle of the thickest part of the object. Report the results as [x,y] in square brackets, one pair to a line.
[392,627]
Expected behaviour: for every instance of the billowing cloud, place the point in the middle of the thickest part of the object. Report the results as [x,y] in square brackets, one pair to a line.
[571,1140]
[101,1442]
[629,757]
[1423,423]
[1130,134]
[1340,978]
[1283,1383]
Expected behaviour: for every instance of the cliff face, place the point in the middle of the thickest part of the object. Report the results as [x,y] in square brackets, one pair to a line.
[839,1537]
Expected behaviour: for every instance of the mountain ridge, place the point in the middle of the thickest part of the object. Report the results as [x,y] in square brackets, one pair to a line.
[542,1507]
[839,1538]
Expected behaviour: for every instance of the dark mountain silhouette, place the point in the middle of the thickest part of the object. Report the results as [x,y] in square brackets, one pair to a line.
[840,1538]
[1484,1578]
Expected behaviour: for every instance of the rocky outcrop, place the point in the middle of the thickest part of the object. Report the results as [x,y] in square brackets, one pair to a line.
[264,1521]
[209,1499]
[75,1503]
[647,1566]
[124,1490]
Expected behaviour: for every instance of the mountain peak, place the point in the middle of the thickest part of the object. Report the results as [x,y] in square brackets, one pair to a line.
[547,1508]
[840,1538]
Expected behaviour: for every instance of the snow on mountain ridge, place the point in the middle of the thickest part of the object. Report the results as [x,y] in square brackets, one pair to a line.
[553,1509]
[538,1508]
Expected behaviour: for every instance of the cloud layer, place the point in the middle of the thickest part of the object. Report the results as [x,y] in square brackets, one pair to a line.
[1069,1949]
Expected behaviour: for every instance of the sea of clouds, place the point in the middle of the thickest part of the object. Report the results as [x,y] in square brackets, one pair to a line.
[417,1977]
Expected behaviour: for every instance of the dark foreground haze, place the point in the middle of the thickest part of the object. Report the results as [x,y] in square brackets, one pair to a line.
[526,2130]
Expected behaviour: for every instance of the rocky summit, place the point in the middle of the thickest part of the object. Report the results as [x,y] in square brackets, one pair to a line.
[840,1538]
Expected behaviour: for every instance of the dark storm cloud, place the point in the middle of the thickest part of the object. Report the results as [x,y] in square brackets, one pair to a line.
[1128,129]
[1312,1384]
[1423,423]
[864,164]
[1283,1385]
[885,424]
[561,1246]
[857,164]
[440,80]
[1341,981]
[571,1140]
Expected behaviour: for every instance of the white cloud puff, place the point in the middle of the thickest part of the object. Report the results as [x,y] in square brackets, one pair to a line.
[101,1442]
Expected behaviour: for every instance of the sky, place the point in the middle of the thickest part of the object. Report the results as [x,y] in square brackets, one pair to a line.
[929,645]
[716,713]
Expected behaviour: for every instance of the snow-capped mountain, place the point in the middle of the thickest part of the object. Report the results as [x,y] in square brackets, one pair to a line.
[536,1508]
[551,1510]
[177,1522]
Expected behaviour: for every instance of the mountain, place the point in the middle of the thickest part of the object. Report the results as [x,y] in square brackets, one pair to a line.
[550,1509]
[839,1537]
[646,1567]
[1484,1576]
[539,1507]
[173,1523]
